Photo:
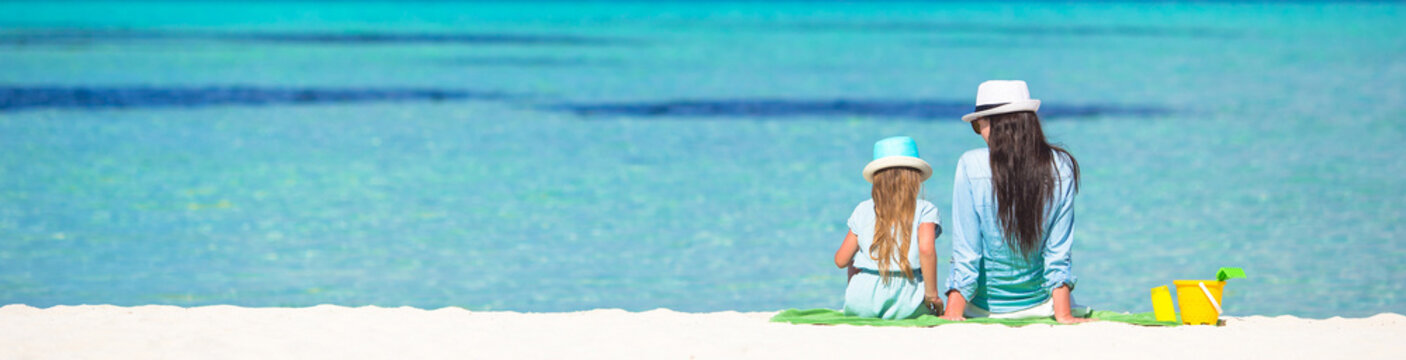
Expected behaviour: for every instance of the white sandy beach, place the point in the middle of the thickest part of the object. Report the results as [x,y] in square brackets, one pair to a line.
[335,332]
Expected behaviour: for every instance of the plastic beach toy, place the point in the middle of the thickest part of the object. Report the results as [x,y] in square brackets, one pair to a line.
[1201,301]
[1227,273]
[1162,304]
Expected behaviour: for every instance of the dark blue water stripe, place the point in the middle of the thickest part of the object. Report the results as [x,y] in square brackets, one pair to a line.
[781,108]
[388,37]
[76,36]
[14,98]
[1009,29]
[507,61]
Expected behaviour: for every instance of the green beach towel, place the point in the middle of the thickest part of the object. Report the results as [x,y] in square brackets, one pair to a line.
[835,317]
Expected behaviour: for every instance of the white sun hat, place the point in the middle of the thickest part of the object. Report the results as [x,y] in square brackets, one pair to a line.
[1000,97]
[897,151]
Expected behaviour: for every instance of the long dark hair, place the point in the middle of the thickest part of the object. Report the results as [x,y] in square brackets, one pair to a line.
[1024,177]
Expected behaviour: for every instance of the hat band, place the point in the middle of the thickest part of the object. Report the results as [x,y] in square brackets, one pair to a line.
[980,108]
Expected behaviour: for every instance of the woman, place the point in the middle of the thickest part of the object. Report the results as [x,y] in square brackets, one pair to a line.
[1013,215]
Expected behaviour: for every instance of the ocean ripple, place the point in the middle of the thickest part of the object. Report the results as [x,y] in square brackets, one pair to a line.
[14,98]
[782,108]
[84,36]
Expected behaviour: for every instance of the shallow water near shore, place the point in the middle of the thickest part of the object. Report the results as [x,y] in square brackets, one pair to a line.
[695,156]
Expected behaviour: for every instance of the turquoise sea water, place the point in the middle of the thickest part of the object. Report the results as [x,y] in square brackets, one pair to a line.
[697,156]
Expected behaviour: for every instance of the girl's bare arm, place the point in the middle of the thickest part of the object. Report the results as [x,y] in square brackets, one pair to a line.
[845,255]
[927,252]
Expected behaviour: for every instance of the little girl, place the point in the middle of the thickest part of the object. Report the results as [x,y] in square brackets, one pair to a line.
[884,282]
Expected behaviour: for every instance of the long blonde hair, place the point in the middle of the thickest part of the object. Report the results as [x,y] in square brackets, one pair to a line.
[895,196]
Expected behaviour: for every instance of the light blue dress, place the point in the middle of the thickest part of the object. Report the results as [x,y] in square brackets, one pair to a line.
[867,295]
[985,270]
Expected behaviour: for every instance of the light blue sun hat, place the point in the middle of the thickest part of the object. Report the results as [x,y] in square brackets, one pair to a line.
[897,151]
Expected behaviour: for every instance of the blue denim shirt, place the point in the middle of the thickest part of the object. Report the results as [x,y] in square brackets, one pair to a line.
[987,272]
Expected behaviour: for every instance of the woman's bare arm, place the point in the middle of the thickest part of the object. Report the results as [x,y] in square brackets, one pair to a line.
[956,305]
[1061,306]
